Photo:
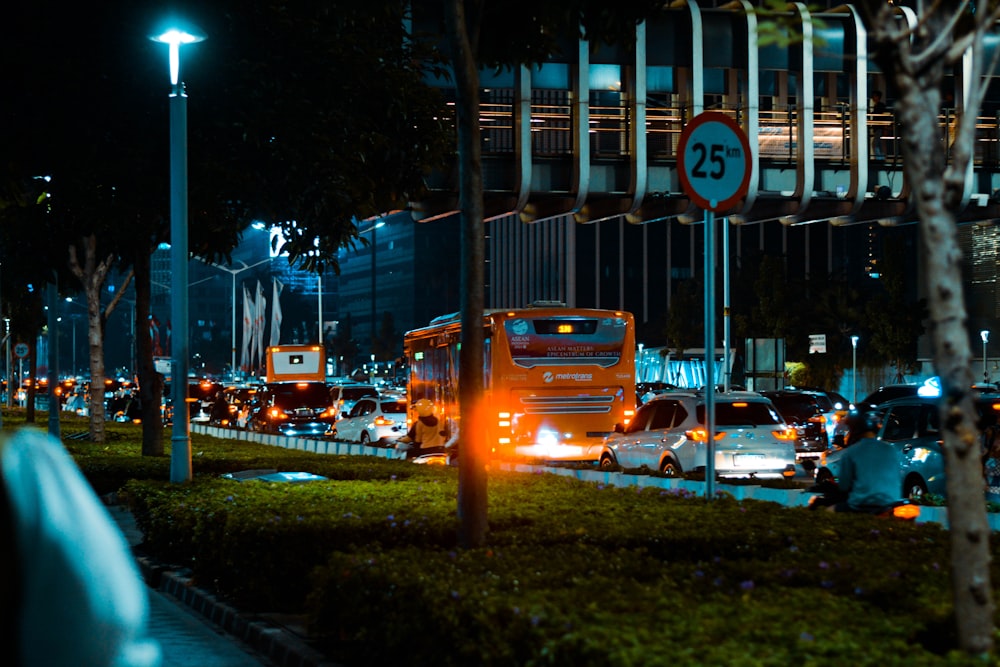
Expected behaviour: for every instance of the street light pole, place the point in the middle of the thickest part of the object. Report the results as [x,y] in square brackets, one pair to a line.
[374,334]
[372,229]
[180,458]
[985,335]
[233,273]
[854,370]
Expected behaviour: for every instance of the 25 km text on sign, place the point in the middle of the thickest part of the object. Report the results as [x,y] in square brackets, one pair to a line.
[713,161]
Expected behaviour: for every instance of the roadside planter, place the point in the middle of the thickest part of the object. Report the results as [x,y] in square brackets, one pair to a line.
[271,475]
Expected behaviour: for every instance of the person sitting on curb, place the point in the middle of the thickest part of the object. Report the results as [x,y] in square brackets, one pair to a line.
[870,469]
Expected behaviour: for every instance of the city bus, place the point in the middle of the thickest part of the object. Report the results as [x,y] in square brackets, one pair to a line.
[556,379]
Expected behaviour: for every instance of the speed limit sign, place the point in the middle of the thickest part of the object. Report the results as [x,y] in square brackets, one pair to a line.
[21,350]
[713,161]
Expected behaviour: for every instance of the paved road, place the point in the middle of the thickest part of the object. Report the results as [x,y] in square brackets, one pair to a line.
[188,640]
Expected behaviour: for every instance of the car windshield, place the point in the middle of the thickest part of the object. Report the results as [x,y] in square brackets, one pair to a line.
[306,394]
[741,413]
[354,393]
[823,402]
[794,408]
[203,390]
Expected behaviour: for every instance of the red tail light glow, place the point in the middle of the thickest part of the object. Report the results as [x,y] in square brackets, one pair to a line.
[907,512]
[701,435]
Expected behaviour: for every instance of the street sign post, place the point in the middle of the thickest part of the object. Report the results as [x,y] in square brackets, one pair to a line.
[21,350]
[713,162]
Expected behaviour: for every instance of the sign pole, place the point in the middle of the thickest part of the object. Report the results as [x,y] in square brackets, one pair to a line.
[713,163]
[710,353]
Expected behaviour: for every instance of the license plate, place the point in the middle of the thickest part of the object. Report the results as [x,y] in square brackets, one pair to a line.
[747,459]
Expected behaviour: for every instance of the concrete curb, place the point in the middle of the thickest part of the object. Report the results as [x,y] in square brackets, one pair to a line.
[786,497]
[278,644]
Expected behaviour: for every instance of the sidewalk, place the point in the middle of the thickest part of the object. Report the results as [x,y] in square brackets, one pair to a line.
[197,630]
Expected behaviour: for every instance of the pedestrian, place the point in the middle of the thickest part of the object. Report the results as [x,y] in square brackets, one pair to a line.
[71,593]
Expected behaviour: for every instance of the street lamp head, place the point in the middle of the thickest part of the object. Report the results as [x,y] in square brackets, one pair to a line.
[985,335]
[854,340]
[173,38]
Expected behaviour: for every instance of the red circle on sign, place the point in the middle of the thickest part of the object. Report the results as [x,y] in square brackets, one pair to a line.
[711,145]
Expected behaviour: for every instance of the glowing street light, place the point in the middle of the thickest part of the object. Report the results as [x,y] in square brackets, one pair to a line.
[854,371]
[180,458]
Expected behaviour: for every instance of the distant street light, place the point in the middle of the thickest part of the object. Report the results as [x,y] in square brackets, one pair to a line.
[985,335]
[854,371]
[180,458]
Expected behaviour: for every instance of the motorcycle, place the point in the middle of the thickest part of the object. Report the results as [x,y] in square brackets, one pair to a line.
[829,494]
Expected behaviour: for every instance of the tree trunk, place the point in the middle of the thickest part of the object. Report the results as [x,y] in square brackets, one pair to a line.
[95,345]
[970,532]
[91,275]
[473,450]
[937,194]
[150,382]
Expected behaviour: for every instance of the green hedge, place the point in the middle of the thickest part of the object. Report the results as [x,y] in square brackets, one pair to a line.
[574,573]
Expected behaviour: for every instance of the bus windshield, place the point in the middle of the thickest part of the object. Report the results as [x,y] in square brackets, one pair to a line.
[565,341]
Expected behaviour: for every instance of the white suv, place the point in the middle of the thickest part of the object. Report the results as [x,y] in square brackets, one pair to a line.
[344,396]
[668,434]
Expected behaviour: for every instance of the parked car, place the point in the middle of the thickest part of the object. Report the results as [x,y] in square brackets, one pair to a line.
[373,421]
[841,406]
[293,408]
[237,400]
[913,425]
[929,389]
[806,412]
[343,396]
[646,390]
[668,434]
[201,395]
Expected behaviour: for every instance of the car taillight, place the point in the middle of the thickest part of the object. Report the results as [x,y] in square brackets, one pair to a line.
[382,421]
[784,434]
[628,416]
[277,413]
[818,419]
[701,434]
